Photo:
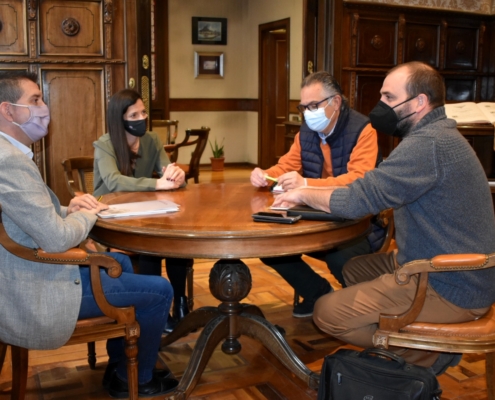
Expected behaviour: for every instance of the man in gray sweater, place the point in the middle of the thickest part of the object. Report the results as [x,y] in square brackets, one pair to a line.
[442,205]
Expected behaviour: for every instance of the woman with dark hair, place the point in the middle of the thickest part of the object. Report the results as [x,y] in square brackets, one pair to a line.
[125,160]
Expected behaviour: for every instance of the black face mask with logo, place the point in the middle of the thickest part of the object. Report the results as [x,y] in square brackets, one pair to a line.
[384,119]
[136,128]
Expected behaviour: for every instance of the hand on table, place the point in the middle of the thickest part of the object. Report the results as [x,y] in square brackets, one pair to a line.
[172,178]
[86,202]
[288,199]
[291,180]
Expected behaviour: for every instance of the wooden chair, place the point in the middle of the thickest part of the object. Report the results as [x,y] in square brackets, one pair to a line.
[117,322]
[78,172]
[467,337]
[192,169]
[166,130]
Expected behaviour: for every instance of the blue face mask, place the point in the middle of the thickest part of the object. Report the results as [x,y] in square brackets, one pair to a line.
[317,120]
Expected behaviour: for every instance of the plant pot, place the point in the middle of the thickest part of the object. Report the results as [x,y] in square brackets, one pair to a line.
[217,163]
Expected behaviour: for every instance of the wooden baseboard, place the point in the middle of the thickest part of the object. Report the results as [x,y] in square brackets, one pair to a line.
[239,165]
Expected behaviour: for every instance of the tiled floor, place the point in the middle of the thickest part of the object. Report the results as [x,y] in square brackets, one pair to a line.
[252,374]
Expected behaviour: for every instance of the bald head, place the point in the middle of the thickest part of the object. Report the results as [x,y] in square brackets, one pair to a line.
[421,78]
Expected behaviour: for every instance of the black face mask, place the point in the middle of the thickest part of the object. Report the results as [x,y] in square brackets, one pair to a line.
[384,119]
[136,128]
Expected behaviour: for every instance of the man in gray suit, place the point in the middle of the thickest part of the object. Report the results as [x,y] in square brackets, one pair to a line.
[33,217]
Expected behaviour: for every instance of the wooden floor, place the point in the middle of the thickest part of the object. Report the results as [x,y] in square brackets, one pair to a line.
[252,374]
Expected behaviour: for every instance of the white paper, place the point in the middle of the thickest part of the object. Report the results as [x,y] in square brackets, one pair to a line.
[139,208]
[469,112]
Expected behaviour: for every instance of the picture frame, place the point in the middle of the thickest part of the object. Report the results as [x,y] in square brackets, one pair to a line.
[208,65]
[294,117]
[209,30]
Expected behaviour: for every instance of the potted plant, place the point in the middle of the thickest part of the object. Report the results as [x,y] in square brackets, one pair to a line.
[218,159]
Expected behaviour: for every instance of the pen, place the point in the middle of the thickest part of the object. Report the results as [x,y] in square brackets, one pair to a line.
[271,179]
[99,198]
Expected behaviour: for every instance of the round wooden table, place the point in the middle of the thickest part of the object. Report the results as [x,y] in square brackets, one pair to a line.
[215,222]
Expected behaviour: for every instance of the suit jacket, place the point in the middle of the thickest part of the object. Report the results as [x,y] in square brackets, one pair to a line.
[39,303]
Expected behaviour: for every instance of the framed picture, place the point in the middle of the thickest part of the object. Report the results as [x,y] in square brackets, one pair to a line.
[208,65]
[294,117]
[207,30]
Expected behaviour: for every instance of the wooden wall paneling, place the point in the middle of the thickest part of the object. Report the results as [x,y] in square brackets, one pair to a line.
[293,106]
[461,47]
[132,79]
[81,90]
[488,80]
[143,27]
[13,32]
[372,38]
[81,50]
[377,39]
[460,88]
[214,105]
[71,28]
[325,35]
[310,21]
[160,106]
[422,42]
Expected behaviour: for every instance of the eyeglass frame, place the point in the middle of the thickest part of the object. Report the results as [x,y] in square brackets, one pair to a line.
[307,107]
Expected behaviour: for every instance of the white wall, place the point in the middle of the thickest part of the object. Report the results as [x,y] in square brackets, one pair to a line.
[240,129]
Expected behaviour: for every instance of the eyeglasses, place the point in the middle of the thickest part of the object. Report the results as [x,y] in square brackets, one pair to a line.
[312,106]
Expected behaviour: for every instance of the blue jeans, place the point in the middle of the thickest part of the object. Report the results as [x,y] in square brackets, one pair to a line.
[151,297]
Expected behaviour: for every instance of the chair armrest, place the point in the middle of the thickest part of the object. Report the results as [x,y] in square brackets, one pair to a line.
[445,262]
[76,256]
[441,263]
[172,150]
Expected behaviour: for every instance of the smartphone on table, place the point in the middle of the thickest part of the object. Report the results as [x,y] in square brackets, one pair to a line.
[278,218]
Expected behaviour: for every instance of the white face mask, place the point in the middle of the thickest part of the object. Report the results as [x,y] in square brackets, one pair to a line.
[36,127]
[317,120]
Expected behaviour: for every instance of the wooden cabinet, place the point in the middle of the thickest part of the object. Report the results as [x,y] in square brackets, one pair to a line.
[481,137]
[369,39]
[83,52]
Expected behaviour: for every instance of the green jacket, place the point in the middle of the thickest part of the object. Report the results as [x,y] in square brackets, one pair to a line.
[107,177]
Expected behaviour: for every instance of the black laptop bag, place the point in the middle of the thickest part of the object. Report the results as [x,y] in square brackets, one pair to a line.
[374,374]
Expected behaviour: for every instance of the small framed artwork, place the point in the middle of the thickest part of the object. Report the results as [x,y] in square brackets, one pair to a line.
[294,117]
[208,65]
[206,30]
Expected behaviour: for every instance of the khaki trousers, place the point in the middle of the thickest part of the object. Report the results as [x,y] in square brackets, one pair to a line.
[352,314]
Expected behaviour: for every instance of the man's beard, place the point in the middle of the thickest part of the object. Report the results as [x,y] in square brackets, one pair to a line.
[404,126]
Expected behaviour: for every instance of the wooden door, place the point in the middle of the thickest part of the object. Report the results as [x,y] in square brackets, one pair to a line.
[273,91]
[78,48]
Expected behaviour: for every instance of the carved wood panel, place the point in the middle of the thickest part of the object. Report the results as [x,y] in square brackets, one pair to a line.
[13,28]
[461,48]
[81,90]
[83,52]
[422,43]
[369,39]
[71,27]
[377,39]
